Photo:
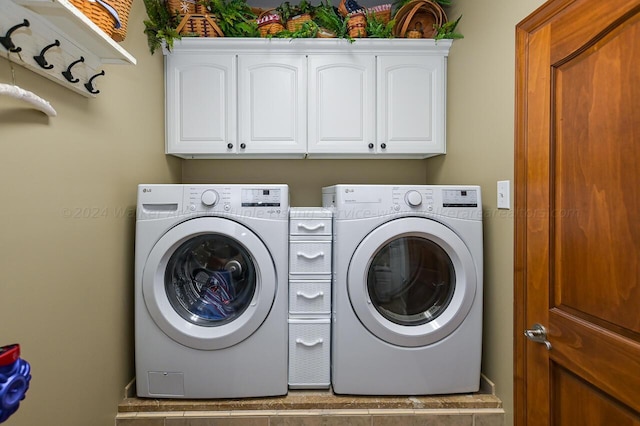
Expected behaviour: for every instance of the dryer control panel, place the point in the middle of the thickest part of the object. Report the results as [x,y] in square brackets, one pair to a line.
[360,201]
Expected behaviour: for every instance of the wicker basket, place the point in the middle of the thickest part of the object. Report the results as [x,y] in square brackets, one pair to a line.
[427,13]
[123,7]
[182,7]
[295,23]
[381,13]
[348,7]
[98,14]
[357,25]
[269,23]
[199,26]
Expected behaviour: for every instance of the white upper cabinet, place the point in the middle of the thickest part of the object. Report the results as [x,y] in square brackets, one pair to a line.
[201,101]
[411,100]
[316,98]
[342,104]
[272,104]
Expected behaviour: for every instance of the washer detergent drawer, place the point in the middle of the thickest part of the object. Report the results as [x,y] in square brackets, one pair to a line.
[309,297]
[310,257]
[309,353]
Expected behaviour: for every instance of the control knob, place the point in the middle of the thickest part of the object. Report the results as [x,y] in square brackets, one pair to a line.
[209,198]
[413,198]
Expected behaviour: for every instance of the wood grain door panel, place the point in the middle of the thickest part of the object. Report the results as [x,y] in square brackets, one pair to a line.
[577,248]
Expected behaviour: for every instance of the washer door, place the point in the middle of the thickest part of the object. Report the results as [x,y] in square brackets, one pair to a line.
[209,283]
[411,282]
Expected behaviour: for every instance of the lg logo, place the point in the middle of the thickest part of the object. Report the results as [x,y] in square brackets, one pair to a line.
[145,190]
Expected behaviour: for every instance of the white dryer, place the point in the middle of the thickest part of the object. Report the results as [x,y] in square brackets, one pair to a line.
[407,289]
[211,291]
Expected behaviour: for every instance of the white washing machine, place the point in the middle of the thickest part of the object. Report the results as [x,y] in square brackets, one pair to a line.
[211,266]
[407,289]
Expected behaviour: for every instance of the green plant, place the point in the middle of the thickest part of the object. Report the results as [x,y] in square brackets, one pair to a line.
[161,25]
[378,29]
[286,10]
[326,16]
[234,17]
[448,30]
[308,29]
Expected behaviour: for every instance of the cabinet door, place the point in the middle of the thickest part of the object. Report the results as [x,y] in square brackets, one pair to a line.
[272,103]
[200,104]
[411,104]
[342,107]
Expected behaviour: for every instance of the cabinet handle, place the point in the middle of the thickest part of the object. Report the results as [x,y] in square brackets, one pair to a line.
[315,342]
[310,256]
[383,145]
[311,228]
[243,145]
[230,145]
[371,146]
[310,296]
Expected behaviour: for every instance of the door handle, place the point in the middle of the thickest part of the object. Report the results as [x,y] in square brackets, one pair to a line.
[538,334]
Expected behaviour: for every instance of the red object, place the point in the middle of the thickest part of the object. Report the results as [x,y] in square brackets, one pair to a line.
[9,354]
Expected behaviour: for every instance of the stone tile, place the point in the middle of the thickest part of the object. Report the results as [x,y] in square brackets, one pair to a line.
[139,422]
[220,421]
[424,420]
[314,400]
[324,420]
[489,419]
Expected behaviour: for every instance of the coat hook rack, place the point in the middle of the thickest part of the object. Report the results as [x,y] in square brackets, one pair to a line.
[40,59]
[68,75]
[6,39]
[89,84]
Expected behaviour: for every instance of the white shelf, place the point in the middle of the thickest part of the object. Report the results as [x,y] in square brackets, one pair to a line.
[52,20]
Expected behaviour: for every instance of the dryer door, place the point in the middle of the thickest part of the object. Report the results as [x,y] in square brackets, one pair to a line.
[412,281]
[209,283]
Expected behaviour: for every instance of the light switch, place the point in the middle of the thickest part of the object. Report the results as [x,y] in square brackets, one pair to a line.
[504,198]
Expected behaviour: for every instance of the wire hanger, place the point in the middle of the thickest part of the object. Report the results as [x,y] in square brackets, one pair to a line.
[13,91]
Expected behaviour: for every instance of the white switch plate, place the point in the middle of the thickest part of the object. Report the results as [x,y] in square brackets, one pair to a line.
[504,191]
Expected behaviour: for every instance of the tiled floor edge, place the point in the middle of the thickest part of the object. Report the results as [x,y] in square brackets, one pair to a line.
[307,413]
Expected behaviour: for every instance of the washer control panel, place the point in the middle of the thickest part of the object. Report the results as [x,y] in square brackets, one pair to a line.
[238,199]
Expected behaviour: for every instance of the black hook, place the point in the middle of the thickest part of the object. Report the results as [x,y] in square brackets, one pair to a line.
[67,74]
[89,84]
[40,58]
[6,40]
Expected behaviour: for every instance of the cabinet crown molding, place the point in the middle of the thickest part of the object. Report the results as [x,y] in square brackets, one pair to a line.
[310,45]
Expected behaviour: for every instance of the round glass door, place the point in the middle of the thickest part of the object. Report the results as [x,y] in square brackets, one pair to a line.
[411,281]
[209,283]
[210,280]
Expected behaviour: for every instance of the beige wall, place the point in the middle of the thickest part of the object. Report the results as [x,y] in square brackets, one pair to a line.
[480,134]
[66,291]
[67,231]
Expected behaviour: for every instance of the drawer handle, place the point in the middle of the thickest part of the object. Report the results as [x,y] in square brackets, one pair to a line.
[303,343]
[311,228]
[310,296]
[310,256]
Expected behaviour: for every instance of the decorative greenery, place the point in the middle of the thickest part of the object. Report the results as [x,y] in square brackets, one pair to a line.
[234,17]
[327,16]
[161,25]
[448,30]
[377,28]
[286,10]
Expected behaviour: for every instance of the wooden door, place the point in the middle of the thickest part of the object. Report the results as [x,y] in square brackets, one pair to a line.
[577,248]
